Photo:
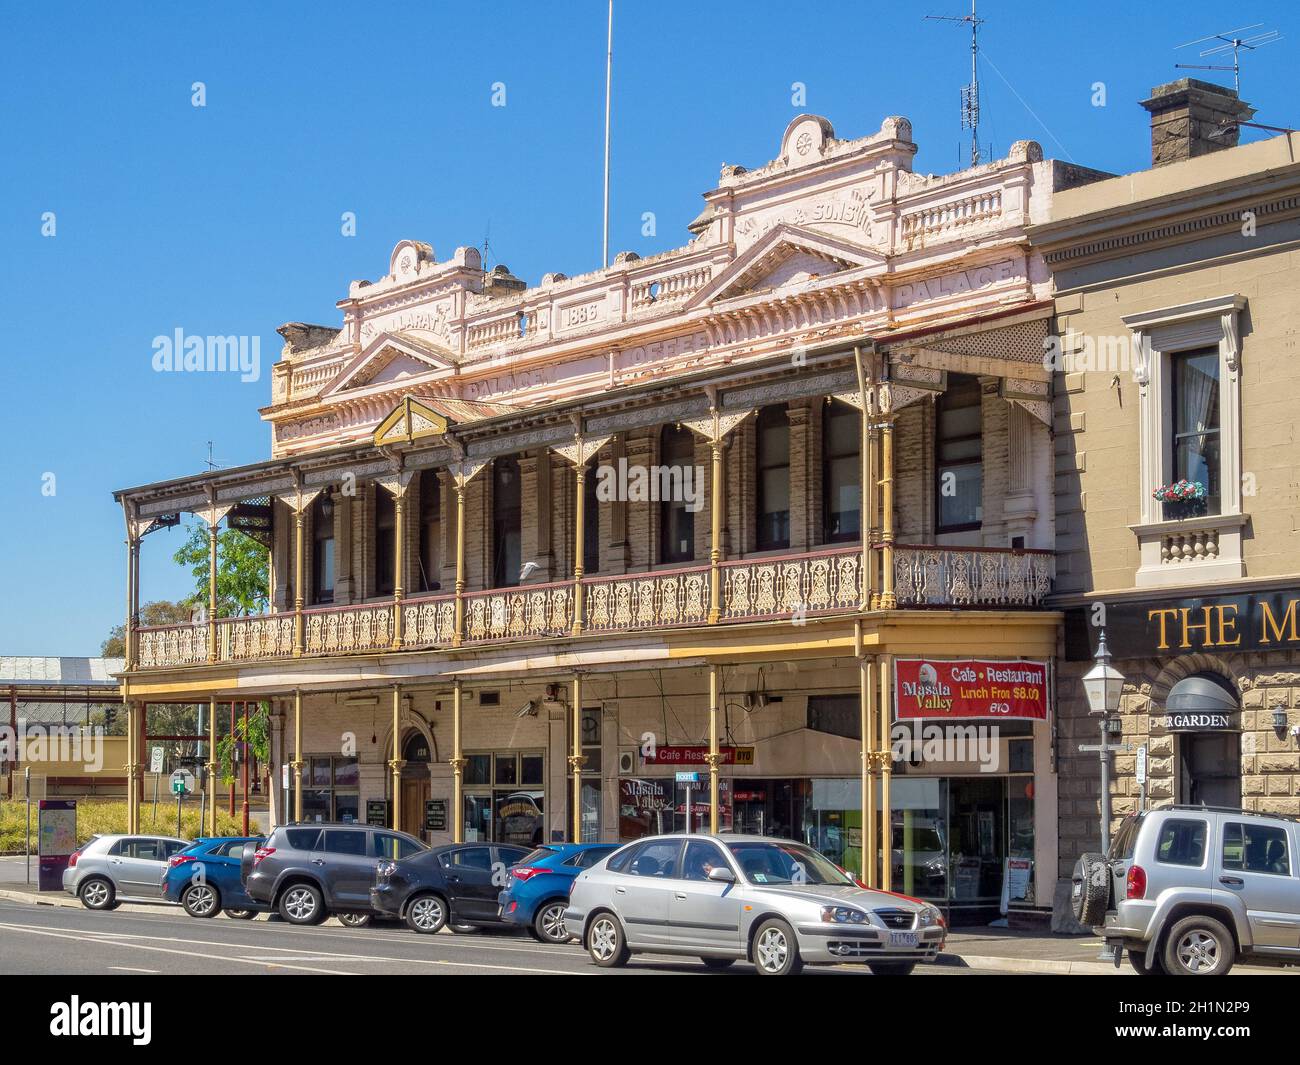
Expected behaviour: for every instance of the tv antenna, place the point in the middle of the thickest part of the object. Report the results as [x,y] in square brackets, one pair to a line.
[1230,41]
[970,94]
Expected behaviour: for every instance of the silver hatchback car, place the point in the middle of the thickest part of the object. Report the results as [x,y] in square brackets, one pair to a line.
[108,869]
[774,902]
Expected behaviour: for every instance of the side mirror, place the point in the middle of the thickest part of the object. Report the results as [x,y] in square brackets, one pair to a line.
[722,874]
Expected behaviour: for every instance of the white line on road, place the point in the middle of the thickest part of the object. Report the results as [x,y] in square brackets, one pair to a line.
[118,942]
[130,969]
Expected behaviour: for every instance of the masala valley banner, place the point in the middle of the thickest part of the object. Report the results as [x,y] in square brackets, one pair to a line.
[1156,628]
[928,688]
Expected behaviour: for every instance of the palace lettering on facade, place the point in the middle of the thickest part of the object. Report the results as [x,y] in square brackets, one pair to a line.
[505,645]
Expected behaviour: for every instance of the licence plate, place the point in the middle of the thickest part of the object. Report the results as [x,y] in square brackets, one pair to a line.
[902,939]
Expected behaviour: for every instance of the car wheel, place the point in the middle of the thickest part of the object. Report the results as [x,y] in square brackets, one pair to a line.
[776,951]
[240,915]
[1090,889]
[1199,946]
[605,941]
[1146,963]
[302,904]
[548,924]
[354,920]
[96,893]
[201,900]
[718,963]
[426,914]
[891,968]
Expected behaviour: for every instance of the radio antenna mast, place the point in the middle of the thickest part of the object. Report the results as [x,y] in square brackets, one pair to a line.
[970,94]
[1230,41]
[609,78]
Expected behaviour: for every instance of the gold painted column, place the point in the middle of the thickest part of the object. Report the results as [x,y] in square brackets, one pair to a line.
[459,635]
[866,580]
[399,564]
[296,765]
[715,753]
[885,756]
[867,697]
[887,599]
[714,428]
[212,591]
[395,765]
[715,544]
[131,812]
[457,767]
[576,759]
[212,766]
[132,608]
[299,600]
[579,541]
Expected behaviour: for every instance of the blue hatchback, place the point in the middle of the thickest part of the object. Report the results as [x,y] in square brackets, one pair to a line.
[204,878]
[537,892]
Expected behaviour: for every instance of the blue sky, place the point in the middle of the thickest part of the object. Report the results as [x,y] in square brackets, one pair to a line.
[225,219]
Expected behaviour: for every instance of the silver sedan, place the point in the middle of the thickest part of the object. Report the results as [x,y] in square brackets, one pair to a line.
[108,869]
[773,902]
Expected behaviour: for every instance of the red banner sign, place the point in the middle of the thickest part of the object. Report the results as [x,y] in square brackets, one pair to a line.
[934,689]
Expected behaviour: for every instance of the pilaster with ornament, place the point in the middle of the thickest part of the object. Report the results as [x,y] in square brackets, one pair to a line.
[578,454]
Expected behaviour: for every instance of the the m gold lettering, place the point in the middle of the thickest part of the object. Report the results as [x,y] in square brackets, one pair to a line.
[1268,622]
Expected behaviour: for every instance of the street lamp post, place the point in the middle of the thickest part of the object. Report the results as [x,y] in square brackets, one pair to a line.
[1103,685]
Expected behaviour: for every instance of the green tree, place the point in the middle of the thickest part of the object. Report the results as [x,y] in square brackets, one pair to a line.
[242,571]
[159,612]
[258,737]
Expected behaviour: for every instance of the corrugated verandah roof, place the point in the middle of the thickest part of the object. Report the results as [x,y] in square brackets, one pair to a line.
[51,671]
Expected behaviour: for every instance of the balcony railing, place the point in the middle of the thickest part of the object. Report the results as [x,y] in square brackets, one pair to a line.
[781,587]
[970,577]
[792,586]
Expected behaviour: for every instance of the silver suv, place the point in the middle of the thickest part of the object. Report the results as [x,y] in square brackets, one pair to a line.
[1189,890]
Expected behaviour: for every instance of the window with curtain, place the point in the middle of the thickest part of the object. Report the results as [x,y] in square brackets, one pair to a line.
[772,477]
[506,523]
[322,549]
[841,474]
[1195,385]
[430,527]
[385,541]
[959,456]
[676,523]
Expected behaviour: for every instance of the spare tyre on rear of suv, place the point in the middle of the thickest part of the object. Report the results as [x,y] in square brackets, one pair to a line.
[1090,889]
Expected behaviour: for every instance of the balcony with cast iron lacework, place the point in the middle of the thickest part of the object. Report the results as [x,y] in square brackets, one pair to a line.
[824,582]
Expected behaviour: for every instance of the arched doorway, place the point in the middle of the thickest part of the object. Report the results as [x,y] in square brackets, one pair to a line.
[417,754]
[1202,710]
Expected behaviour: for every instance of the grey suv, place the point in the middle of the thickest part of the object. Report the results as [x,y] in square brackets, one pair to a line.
[308,871]
[1189,890]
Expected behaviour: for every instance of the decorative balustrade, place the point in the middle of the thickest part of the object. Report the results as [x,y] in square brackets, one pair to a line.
[254,637]
[647,600]
[669,289]
[971,577]
[172,645]
[789,586]
[516,326]
[979,208]
[348,629]
[429,622]
[792,586]
[514,613]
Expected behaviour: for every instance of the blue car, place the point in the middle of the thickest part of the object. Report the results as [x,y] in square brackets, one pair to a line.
[537,891]
[204,878]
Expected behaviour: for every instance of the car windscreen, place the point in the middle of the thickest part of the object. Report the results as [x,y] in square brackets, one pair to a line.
[785,863]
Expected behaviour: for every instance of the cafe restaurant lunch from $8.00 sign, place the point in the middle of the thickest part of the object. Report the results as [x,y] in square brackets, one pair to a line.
[934,688]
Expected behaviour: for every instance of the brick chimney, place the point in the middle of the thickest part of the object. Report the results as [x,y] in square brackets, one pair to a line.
[1190,117]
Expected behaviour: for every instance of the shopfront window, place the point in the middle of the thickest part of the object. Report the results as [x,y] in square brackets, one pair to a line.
[505,798]
[331,792]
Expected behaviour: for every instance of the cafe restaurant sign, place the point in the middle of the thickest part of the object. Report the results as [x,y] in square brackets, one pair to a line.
[932,689]
[1250,621]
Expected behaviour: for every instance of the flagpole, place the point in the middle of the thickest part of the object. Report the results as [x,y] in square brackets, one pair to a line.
[609,73]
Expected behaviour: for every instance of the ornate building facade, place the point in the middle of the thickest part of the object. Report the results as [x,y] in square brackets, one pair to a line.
[536,549]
